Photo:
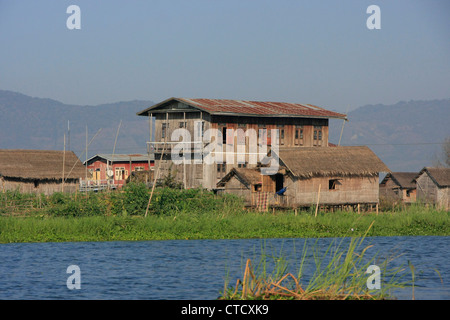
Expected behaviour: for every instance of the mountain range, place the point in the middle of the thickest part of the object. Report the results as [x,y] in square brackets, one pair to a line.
[407,135]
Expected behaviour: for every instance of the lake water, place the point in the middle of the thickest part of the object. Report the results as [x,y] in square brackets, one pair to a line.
[188,269]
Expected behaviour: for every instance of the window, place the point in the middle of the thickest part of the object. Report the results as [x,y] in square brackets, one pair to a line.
[262,135]
[200,130]
[282,136]
[317,135]
[163,130]
[317,132]
[121,173]
[182,125]
[332,183]
[139,169]
[224,135]
[242,165]
[221,167]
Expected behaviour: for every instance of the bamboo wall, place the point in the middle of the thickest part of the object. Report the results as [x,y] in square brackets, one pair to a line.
[41,187]
[350,190]
[429,192]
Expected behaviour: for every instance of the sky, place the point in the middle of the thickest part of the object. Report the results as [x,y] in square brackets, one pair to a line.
[318,52]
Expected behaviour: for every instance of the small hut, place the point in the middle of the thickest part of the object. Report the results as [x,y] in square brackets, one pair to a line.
[433,187]
[399,186]
[329,176]
[40,171]
[243,182]
[339,176]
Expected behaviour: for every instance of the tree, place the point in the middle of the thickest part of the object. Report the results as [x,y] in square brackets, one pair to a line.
[443,160]
[446,151]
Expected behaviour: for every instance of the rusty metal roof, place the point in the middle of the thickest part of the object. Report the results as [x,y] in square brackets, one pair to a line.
[252,108]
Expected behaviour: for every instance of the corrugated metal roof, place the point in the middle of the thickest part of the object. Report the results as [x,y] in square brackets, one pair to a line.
[253,108]
[122,157]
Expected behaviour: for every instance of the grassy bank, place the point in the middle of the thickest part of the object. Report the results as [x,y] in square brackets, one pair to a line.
[192,214]
[340,273]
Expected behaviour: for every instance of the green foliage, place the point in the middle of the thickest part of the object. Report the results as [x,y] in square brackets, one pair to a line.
[195,214]
[135,199]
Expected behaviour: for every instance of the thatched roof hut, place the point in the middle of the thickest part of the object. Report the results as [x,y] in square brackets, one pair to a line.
[247,176]
[336,161]
[440,176]
[28,170]
[404,180]
[399,186]
[433,186]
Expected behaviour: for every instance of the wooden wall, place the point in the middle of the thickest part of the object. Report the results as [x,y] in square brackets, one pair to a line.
[178,115]
[348,190]
[428,192]
[44,187]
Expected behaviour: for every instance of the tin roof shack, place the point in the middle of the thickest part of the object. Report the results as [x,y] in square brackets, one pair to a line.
[331,176]
[299,125]
[433,187]
[399,186]
[40,171]
[112,170]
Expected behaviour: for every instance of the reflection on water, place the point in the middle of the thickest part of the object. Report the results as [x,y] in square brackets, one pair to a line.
[188,269]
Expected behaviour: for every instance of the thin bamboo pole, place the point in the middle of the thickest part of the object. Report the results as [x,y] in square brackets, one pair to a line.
[64,164]
[317,206]
[159,166]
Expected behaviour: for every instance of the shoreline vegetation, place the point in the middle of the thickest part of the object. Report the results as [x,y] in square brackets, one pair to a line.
[340,273]
[193,214]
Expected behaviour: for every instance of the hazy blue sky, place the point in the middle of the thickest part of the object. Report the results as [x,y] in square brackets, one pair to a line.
[318,52]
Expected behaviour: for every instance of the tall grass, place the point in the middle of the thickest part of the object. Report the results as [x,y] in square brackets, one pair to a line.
[340,273]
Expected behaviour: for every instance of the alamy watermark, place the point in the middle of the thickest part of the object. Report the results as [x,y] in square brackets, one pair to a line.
[74,280]
[229,146]
[73,22]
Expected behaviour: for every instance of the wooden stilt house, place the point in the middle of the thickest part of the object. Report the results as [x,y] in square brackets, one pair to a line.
[399,186]
[338,176]
[433,187]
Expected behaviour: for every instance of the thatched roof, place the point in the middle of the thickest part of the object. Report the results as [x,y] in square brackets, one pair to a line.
[440,176]
[247,176]
[404,180]
[308,162]
[40,165]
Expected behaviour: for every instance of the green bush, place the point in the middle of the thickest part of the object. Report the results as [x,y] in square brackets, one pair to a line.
[133,200]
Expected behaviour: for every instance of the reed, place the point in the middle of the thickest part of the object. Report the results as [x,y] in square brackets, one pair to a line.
[340,274]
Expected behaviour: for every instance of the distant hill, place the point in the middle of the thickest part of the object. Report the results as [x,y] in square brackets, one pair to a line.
[36,123]
[405,135]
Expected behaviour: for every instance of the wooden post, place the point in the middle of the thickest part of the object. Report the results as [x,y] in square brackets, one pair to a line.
[184,153]
[64,163]
[150,127]
[86,158]
[317,206]
[377,208]
[157,171]
[358,209]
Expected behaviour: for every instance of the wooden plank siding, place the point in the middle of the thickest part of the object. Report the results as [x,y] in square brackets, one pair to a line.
[176,114]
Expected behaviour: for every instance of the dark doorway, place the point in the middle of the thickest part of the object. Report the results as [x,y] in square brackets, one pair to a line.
[279,179]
